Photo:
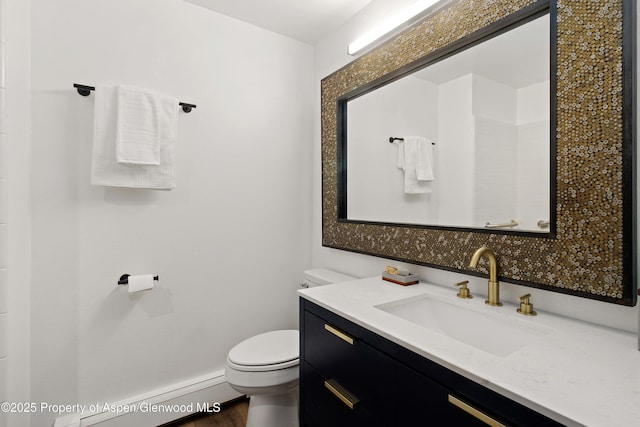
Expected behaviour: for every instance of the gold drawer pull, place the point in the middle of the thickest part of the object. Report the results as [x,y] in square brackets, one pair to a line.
[347,398]
[473,411]
[339,333]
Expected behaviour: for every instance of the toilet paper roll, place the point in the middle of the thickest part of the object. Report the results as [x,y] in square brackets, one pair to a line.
[140,282]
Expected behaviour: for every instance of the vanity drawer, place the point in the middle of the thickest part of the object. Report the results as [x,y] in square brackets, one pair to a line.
[322,407]
[329,346]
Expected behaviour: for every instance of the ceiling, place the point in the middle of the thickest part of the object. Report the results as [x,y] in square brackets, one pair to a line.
[304,20]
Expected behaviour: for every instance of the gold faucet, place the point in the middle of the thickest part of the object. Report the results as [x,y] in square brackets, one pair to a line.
[494,286]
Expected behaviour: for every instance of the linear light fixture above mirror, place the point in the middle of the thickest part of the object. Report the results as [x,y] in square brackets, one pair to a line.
[416,10]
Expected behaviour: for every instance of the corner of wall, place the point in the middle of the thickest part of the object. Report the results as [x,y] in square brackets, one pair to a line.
[16,26]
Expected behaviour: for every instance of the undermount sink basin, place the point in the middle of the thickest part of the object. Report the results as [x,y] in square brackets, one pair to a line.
[481,328]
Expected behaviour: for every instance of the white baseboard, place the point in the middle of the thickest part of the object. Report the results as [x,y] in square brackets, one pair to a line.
[160,406]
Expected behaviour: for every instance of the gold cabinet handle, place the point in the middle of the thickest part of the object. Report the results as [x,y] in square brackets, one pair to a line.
[347,398]
[474,412]
[337,332]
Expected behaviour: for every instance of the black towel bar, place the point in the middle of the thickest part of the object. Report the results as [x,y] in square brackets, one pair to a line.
[395,138]
[85,90]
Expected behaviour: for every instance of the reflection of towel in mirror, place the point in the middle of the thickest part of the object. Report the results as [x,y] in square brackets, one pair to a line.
[415,157]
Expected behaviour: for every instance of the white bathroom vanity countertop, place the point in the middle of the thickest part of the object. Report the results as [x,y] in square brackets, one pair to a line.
[578,374]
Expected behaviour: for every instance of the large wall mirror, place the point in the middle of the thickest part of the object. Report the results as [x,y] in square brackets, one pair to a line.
[483,115]
[519,115]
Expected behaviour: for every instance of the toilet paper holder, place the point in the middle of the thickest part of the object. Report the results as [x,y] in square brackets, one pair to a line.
[124,279]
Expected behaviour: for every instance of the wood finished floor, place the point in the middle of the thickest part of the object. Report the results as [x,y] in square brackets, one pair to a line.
[232,414]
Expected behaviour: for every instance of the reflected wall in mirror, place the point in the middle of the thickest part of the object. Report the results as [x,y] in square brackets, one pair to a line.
[484,116]
[590,248]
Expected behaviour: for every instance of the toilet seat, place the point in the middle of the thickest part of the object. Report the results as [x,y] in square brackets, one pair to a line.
[269,351]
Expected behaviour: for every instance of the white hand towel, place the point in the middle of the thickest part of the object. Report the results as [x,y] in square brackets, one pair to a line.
[105,169]
[138,130]
[412,158]
[424,160]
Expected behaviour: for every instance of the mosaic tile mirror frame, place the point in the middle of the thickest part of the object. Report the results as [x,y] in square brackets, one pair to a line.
[590,251]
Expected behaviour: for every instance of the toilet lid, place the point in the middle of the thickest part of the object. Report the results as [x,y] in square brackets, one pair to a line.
[280,348]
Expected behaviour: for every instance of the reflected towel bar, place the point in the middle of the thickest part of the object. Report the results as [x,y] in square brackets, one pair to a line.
[85,90]
[543,223]
[509,224]
[395,138]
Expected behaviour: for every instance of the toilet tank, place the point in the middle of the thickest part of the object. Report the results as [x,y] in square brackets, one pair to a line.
[322,276]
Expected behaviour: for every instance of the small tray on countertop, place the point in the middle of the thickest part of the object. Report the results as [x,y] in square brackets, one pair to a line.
[411,279]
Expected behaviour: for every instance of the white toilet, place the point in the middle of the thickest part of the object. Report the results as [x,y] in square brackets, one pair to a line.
[265,367]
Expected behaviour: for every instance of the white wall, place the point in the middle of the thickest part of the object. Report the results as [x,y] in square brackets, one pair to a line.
[329,57]
[495,151]
[533,157]
[494,100]
[455,147]
[375,183]
[229,242]
[512,140]
[4,215]
[533,103]
[15,157]
[16,154]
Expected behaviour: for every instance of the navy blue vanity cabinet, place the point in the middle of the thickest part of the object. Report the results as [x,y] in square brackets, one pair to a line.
[350,376]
